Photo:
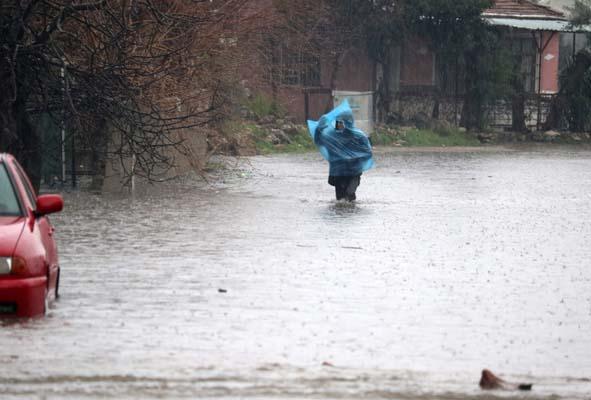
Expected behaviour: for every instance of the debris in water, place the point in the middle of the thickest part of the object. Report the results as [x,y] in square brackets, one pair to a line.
[490,381]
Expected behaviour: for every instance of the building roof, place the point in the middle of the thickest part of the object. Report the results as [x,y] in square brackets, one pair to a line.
[524,14]
[537,24]
[522,9]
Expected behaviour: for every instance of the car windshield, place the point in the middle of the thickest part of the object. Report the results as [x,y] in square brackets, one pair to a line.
[8,201]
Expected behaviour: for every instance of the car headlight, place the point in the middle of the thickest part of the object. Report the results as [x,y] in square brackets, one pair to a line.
[5,265]
[13,266]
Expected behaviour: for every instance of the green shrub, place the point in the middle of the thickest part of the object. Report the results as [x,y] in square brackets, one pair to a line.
[300,143]
[262,105]
[382,137]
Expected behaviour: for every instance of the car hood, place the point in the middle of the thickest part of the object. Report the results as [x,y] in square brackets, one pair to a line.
[11,229]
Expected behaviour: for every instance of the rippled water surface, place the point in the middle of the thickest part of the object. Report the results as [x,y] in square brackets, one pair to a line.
[259,285]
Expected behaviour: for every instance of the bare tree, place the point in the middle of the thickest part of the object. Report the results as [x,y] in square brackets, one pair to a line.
[123,75]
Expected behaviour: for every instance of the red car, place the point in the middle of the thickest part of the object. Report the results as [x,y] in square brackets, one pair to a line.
[29,269]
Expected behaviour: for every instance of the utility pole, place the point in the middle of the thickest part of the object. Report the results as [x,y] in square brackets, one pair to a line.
[63,125]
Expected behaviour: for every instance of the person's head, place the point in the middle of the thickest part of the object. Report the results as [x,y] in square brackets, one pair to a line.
[339,125]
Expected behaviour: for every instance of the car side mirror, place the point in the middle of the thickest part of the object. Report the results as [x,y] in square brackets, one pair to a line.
[49,203]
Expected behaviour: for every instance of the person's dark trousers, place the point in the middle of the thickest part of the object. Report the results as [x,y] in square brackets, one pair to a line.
[345,186]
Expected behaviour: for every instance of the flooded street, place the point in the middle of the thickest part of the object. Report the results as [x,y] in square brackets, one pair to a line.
[261,286]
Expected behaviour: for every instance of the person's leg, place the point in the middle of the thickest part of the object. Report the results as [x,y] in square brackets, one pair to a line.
[340,186]
[340,191]
[351,188]
[335,181]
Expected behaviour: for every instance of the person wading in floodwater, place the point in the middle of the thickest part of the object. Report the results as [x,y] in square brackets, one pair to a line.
[346,148]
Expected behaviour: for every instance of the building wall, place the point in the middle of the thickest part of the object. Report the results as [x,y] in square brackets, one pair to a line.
[354,73]
[416,70]
[418,64]
[549,63]
[415,98]
[190,155]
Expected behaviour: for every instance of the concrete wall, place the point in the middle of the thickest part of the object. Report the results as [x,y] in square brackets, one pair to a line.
[190,155]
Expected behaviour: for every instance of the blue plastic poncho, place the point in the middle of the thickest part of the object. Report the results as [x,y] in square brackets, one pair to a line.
[348,151]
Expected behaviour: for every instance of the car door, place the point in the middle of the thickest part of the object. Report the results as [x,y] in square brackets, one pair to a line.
[45,230]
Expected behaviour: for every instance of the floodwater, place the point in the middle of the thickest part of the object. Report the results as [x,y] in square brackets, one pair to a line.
[258,285]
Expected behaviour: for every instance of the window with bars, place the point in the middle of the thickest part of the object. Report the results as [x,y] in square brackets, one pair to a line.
[294,67]
[524,52]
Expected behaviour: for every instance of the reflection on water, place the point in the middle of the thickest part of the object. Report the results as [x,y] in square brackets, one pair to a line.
[345,209]
[449,262]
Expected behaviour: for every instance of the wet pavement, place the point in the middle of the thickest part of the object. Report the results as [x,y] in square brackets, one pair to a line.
[449,262]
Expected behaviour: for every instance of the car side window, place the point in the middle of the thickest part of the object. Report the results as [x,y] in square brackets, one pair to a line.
[9,204]
[26,184]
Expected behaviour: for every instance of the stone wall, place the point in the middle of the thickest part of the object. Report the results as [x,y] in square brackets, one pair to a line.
[500,137]
[500,114]
[412,107]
